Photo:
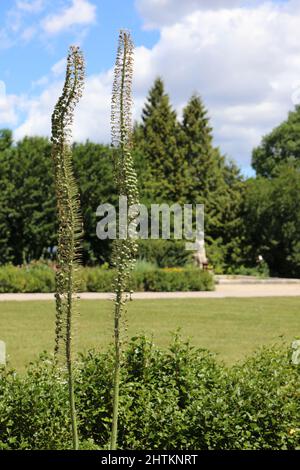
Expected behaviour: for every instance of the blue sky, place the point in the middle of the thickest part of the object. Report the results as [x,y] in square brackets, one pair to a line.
[241,56]
[26,61]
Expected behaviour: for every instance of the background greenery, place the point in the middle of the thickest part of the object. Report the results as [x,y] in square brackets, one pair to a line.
[176,162]
[40,277]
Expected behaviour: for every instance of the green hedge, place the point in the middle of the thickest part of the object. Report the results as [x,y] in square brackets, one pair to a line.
[37,277]
[41,278]
[178,398]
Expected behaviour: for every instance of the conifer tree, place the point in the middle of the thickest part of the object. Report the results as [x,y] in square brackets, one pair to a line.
[204,182]
[203,160]
[156,139]
[209,179]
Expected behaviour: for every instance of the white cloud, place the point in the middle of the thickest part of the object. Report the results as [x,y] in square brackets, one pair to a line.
[25,20]
[16,27]
[81,12]
[161,12]
[59,67]
[245,64]
[39,109]
[10,106]
[92,116]
[30,6]
[28,33]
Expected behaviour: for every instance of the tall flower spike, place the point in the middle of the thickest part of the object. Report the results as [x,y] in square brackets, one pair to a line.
[70,223]
[124,250]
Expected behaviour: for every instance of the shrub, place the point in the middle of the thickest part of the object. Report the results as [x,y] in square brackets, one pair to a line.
[36,277]
[262,270]
[34,410]
[257,406]
[40,277]
[143,265]
[180,398]
[164,253]
[178,280]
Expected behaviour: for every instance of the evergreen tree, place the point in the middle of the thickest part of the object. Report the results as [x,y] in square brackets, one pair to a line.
[211,181]
[156,141]
[204,176]
[203,160]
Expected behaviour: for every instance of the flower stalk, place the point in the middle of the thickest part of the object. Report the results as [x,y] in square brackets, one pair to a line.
[70,222]
[125,249]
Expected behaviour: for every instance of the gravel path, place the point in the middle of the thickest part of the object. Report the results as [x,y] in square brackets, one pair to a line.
[222,290]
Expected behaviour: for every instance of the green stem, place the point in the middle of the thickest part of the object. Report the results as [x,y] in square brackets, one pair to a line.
[72,407]
[116,394]
[118,301]
[69,364]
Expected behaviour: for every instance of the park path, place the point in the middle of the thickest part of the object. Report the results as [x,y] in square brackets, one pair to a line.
[225,289]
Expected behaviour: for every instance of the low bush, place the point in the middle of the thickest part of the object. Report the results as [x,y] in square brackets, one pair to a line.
[262,270]
[165,253]
[170,280]
[180,398]
[35,277]
[40,277]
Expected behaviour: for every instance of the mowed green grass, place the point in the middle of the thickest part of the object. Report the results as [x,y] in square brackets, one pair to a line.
[233,328]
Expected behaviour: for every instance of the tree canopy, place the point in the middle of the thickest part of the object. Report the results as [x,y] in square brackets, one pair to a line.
[280,146]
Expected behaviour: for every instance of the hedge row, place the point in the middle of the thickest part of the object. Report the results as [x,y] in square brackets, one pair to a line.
[41,278]
[179,398]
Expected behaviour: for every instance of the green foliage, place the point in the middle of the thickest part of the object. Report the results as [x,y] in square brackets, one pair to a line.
[176,279]
[162,163]
[143,265]
[94,173]
[27,199]
[6,139]
[35,277]
[204,162]
[27,214]
[179,398]
[164,253]
[257,408]
[40,277]
[177,162]
[34,408]
[279,147]
[272,221]
[261,270]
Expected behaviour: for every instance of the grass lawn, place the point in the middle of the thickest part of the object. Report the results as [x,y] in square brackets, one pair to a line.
[231,327]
